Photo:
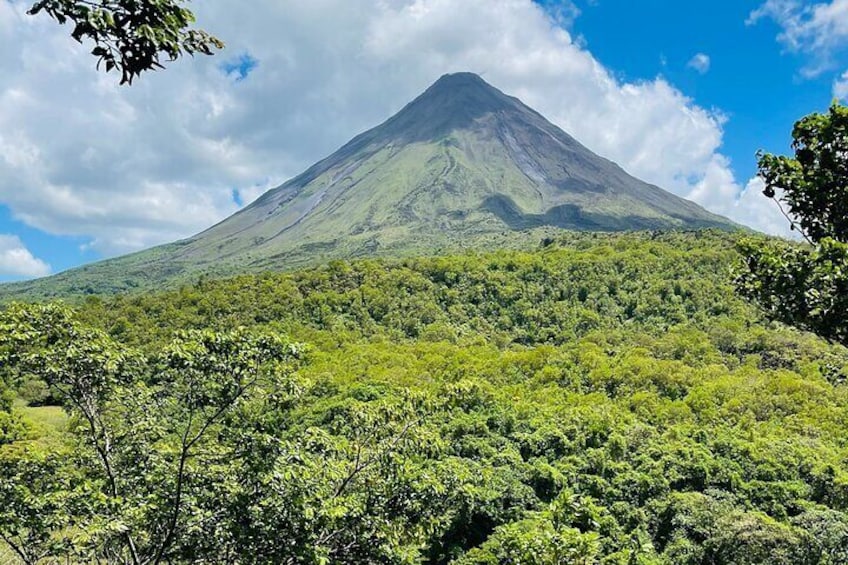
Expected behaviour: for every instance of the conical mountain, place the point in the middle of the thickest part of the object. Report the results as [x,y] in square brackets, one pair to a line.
[463,158]
[460,162]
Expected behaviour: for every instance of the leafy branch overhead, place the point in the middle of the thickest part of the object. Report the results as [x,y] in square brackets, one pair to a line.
[132,36]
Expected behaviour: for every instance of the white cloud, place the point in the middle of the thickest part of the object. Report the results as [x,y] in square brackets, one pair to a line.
[133,167]
[753,208]
[17,261]
[840,87]
[817,29]
[700,63]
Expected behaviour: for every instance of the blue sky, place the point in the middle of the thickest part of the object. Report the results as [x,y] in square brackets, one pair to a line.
[752,78]
[92,170]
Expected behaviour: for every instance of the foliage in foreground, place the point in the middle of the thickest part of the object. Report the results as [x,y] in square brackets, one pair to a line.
[806,286]
[605,400]
[142,426]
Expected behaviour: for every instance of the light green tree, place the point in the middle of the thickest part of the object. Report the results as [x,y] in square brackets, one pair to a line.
[147,431]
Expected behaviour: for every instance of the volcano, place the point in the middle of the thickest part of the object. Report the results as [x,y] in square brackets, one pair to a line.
[458,166]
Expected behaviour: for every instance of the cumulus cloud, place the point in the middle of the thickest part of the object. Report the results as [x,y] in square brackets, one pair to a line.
[755,209]
[132,167]
[700,63]
[817,29]
[840,87]
[17,261]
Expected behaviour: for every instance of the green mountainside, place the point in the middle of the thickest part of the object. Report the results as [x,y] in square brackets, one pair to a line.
[603,399]
[462,166]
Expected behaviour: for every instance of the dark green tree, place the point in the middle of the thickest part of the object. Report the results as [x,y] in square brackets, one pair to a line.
[813,182]
[132,36]
[806,285]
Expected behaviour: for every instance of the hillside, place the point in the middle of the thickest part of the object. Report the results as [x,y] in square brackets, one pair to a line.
[463,166]
[606,398]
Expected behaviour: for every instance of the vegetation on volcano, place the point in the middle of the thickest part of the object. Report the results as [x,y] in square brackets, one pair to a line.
[603,399]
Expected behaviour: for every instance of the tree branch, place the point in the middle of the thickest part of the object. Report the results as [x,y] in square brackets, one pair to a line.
[792,222]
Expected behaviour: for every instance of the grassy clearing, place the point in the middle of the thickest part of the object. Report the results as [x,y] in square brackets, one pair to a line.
[7,556]
[45,419]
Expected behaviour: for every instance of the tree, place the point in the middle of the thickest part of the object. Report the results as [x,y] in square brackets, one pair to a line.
[813,182]
[132,36]
[806,285]
[44,497]
[147,431]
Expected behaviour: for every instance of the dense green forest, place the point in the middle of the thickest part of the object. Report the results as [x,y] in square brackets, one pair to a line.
[607,398]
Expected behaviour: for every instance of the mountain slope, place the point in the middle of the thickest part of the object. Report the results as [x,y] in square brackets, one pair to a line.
[460,165]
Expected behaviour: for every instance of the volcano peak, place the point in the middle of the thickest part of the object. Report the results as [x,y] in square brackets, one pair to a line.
[460,79]
[454,102]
